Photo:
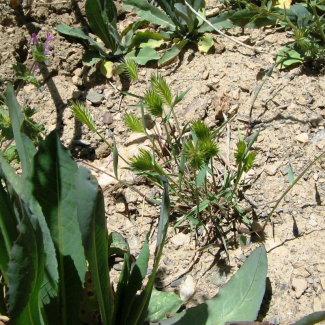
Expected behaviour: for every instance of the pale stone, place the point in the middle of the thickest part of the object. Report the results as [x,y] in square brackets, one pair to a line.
[187,288]
[313,223]
[302,137]
[300,286]
[272,169]
[322,281]
[105,180]
[180,240]
[317,304]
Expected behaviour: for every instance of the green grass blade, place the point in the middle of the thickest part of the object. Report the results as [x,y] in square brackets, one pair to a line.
[115,159]
[54,181]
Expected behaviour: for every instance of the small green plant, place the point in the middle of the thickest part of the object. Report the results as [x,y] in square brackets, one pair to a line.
[55,249]
[178,25]
[304,20]
[102,18]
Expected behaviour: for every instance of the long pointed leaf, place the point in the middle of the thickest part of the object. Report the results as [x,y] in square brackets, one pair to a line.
[238,300]
[26,271]
[311,319]
[25,147]
[172,53]
[92,222]
[137,275]
[54,180]
[140,306]
[149,12]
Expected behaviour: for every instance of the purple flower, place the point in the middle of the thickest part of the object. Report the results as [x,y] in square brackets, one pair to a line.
[34,39]
[47,47]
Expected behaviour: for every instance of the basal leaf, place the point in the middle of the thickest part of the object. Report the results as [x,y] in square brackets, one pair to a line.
[289,56]
[103,24]
[106,68]
[92,222]
[91,57]
[143,56]
[311,319]
[55,180]
[162,304]
[149,12]
[147,39]
[238,300]
[25,147]
[172,53]
[220,22]
[205,43]
[26,271]
[79,33]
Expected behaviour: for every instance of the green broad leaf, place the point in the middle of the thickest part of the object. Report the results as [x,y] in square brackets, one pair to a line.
[55,188]
[8,230]
[172,53]
[311,319]
[220,22]
[239,300]
[129,31]
[205,43]
[103,23]
[49,292]
[143,56]
[138,273]
[26,271]
[161,304]
[149,12]
[117,245]
[25,147]
[115,159]
[147,39]
[288,57]
[185,16]
[91,57]
[11,154]
[106,68]
[139,308]
[79,33]
[121,292]
[92,223]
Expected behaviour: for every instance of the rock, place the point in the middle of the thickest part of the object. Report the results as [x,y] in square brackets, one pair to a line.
[108,118]
[300,286]
[166,262]
[313,223]
[76,94]
[302,137]
[317,306]
[205,75]
[187,289]
[120,204]
[103,151]
[320,268]
[94,97]
[322,282]
[319,136]
[315,119]
[272,169]
[136,138]
[219,48]
[130,196]
[105,180]
[118,267]
[243,229]
[180,240]
[195,110]
[221,105]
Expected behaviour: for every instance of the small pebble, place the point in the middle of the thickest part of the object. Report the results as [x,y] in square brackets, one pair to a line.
[313,223]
